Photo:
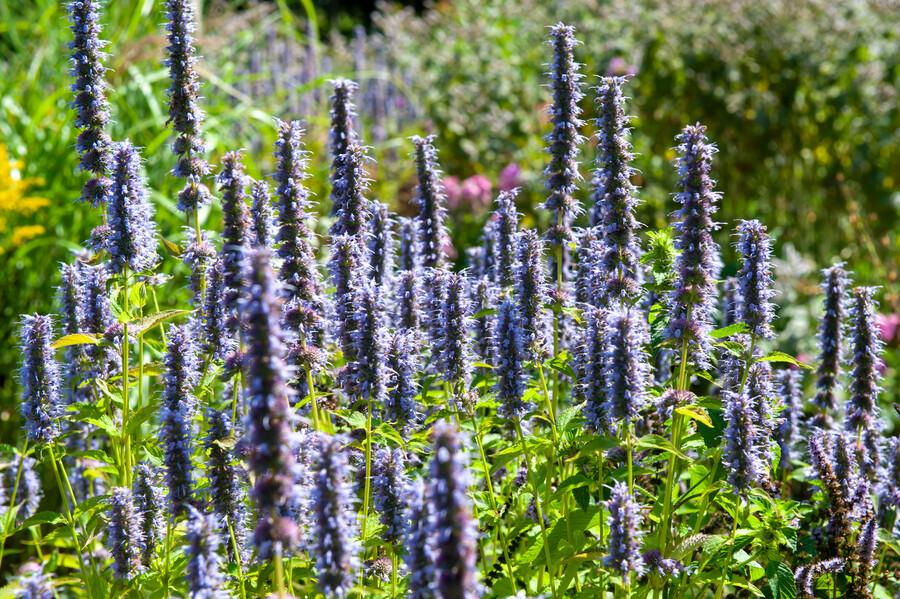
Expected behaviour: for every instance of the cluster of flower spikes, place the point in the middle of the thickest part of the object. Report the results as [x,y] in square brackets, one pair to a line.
[184,108]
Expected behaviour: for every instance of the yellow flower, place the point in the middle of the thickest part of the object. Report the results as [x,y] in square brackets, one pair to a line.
[15,202]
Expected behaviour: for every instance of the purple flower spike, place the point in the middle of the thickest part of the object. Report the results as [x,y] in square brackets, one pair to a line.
[591,364]
[418,558]
[400,405]
[531,294]
[177,408]
[615,198]
[508,357]
[90,103]
[755,279]
[40,379]
[124,535]
[334,520]
[342,132]
[381,245]
[505,231]
[148,502]
[235,228]
[184,105]
[348,195]
[270,418]
[626,370]
[261,224]
[132,232]
[431,200]
[452,540]
[862,406]
[562,174]
[454,359]
[624,532]
[388,486]
[204,566]
[831,333]
[697,266]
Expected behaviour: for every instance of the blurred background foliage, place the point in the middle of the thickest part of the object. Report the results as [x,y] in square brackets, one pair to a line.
[800,96]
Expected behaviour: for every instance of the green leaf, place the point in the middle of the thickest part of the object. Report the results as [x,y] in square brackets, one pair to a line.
[695,413]
[661,443]
[76,339]
[777,356]
[732,329]
[781,581]
[42,518]
[148,322]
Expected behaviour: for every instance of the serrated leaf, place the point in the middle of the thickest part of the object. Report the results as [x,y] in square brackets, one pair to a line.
[76,339]
[42,518]
[777,356]
[695,413]
[781,581]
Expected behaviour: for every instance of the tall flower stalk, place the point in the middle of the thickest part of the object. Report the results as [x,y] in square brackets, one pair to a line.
[831,335]
[430,198]
[184,108]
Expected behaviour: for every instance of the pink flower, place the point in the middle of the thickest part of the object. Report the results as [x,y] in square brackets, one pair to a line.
[454,191]
[889,324]
[476,190]
[510,177]
[619,67]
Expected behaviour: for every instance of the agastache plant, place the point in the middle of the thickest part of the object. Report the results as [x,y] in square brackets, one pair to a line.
[204,570]
[615,198]
[342,132]
[789,389]
[509,354]
[177,408]
[418,557]
[40,378]
[184,105]
[90,102]
[132,238]
[226,491]
[831,334]
[741,453]
[381,244]
[335,547]
[400,406]
[148,503]
[691,302]
[591,366]
[531,294]
[862,405]
[124,535]
[624,533]
[408,247]
[561,173]
[261,225]
[235,230]
[484,298]
[626,370]
[388,487]
[408,312]
[370,343]
[505,229]
[451,528]
[270,419]
[346,268]
[214,332]
[755,279]
[454,361]
[430,199]
[199,255]
[348,196]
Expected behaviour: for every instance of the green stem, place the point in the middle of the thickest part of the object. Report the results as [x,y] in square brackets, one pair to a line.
[367,484]
[551,568]
[665,520]
[237,558]
[393,572]
[721,586]
[168,550]
[279,572]
[12,499]
[69,519]
[628,449]
[313,407]
[126,436]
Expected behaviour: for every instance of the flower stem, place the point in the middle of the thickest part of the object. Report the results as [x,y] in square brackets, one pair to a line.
[126,400]
[551,569]
[367,484]
[12,498]
[721,586]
